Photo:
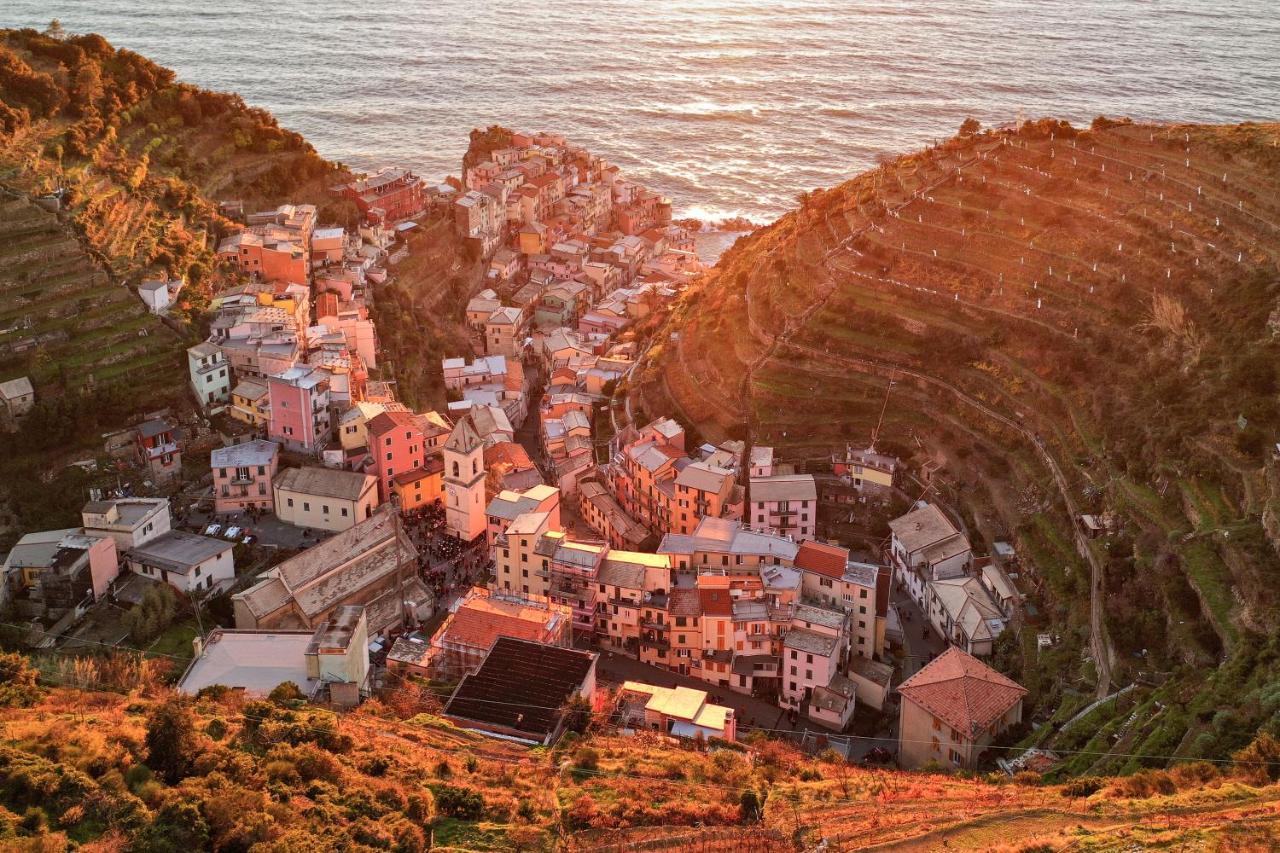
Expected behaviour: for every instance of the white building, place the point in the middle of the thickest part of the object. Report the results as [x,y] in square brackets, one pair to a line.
[130,521]
[155,295]
[191,564]
[926,546]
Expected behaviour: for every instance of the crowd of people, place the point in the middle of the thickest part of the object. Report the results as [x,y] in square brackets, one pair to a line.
[446,564]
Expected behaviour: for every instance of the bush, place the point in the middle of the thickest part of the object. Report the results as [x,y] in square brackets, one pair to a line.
[1259,762]
[1083,787]
[171,741]
[586,759]
[18,687]
[286,694]
[460,803]
[751,807]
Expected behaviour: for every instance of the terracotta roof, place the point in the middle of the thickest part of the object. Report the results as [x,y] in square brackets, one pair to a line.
[716,602]
[685,602]
[387,421]
[479,622]
[962,691]
[509,453]
[823,559]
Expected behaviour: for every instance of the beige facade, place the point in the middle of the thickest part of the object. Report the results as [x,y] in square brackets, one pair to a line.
[324,498]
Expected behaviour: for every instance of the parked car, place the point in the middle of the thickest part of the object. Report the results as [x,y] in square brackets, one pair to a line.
[232,533]
[213,529]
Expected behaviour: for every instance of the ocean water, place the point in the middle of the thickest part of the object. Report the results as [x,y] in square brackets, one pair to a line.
[729,108]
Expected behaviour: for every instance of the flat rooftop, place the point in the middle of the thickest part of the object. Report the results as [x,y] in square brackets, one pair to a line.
[253,661]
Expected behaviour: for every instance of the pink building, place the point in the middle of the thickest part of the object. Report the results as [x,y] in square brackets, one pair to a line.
[242,475]
[397,445]
[299,400]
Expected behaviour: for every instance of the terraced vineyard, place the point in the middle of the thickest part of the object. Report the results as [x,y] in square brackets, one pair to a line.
[62,320]
[1075,321]
[274,776]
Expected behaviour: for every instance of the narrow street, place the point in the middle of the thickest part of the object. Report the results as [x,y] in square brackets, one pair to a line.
[920,642]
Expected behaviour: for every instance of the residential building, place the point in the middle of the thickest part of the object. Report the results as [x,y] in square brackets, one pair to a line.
[189,563]
[701,491]
[158,450]
[508,505]
[868,471]
[129,521]
[324,498]
[859,589]
[462,641]
[373,564]
[504,331]
[55,572]
[678,711]
[953,709]
[210,374]
[17,397]
[520,689]
[832,704]
[388,195]
[522,560]
[397,445]
[299,402]
[926,546]
[961,611]
[813,651]
[786,504]
[419,487]
[251,402]
[242,475]
[155,295]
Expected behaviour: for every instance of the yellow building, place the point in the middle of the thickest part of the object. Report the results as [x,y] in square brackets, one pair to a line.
[250,403]
[420,487]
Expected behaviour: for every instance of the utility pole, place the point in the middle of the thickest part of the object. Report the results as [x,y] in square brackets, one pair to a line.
[875,434]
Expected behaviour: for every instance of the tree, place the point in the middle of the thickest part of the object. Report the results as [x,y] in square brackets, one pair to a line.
[171,741]
[749,802]
[18,687]
[970,126]
[577,714]
[150,618]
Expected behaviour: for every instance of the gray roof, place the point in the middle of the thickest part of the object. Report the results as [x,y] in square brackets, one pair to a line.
[256,452]
[153,427]
[14,388]
[176,551]
[804,640]
[784,487]
[255,661]
[819,616]
[324,482]
[922,527]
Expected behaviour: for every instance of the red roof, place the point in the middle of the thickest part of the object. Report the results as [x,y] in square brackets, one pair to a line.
[508,453]
[716,602]
[479,622]
[827,560]
[387,421]
[962,691]
[684,601]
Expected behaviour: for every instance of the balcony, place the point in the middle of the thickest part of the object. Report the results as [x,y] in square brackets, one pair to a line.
[655,626]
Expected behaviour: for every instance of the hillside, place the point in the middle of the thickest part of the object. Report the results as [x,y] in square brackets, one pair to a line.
[144,771]
[1077,321]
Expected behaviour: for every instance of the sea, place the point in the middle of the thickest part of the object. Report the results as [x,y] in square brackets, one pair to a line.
[730,108]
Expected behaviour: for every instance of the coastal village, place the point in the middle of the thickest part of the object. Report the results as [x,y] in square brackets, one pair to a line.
[528,549]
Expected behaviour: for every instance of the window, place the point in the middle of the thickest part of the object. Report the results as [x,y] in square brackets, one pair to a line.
[808,658]
[808,674]
[388,441]
[290,501]
[325,509]
[262,488]
[793,670]
[793,654]
[306,506]
[862,593]
[344,512]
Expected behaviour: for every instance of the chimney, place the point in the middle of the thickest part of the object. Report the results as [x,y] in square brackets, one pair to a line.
[197,646]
